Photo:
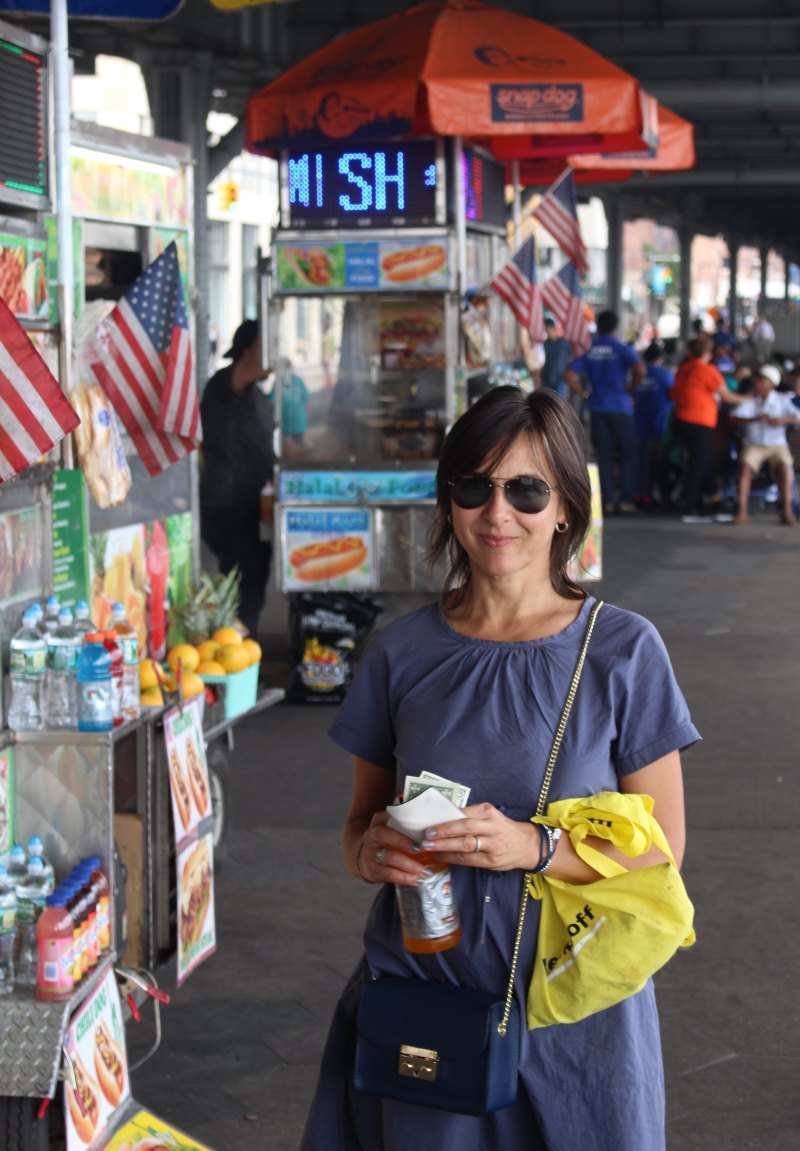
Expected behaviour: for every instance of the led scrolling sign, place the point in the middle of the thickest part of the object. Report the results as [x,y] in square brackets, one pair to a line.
[387,184]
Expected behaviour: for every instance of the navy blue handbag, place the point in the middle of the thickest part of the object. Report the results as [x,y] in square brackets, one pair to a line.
[438,1045]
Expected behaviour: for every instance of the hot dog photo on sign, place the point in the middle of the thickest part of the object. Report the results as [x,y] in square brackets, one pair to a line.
[423,265]
[327,547]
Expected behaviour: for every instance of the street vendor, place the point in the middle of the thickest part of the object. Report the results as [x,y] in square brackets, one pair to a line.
[238,460]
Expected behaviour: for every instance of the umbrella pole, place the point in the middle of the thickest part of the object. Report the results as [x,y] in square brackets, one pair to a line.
[516,204]
[461,216]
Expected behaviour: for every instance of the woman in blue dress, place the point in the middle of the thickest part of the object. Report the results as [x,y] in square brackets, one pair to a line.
[472,688]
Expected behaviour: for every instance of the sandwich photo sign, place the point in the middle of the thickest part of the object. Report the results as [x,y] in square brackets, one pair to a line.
[96,1080]
[194,839]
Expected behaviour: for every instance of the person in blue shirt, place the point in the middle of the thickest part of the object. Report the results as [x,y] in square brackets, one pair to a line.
[294,400]
[557,354]
[613,371]
[651,408]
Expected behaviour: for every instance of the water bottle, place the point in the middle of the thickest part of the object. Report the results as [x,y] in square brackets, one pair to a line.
[28,667]
[129,646]
[17,863]
[83,621]
[63,646]
[31,898]
[39,610]
[36,847]
[94,688]
[8,930]
[51,614]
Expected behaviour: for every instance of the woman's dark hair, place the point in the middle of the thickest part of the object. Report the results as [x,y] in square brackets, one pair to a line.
[479,440]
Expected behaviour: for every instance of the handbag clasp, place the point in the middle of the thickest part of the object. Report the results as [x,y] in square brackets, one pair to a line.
[418,1063]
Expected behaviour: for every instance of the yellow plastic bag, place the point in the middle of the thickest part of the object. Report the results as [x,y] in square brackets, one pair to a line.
[600,942]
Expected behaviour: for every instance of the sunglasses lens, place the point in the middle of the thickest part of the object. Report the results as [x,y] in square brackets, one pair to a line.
[471,491]
[528,494]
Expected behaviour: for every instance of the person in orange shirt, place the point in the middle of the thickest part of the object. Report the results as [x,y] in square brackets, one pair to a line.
[698,389]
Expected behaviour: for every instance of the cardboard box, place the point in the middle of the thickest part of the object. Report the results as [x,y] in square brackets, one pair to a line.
[129,836]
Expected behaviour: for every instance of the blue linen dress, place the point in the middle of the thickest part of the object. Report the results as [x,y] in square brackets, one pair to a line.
[484,713]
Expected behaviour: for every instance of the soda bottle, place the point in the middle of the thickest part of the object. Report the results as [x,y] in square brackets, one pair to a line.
[427,911]
[91,893]
[51,614]
[103,902]
[83,917]
[83,621]
[28,667]
[54,933]
[31,896]
[8,925]
[63,646]
[71,891]
[129,645]
[94,686]
[36,847]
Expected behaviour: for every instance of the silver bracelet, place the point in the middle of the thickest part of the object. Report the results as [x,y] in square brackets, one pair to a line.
[553,836]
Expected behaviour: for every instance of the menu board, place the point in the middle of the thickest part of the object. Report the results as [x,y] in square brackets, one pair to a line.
[146,1132]
[22,571]
[70,538]
[409,264]
[23,274]
[96,1082]
[328,548]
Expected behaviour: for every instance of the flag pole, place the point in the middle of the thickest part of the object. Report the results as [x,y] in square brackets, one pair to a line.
[59,36]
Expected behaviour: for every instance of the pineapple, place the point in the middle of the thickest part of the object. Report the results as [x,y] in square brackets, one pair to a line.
[212,604]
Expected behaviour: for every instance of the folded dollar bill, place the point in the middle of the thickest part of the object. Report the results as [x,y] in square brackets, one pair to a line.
[457,793]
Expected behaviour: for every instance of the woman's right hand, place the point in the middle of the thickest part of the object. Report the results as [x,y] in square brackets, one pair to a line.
[387,856]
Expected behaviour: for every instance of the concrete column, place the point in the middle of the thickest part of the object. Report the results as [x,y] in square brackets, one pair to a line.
[763,256]
[685,238]
[615,215]
[733,308]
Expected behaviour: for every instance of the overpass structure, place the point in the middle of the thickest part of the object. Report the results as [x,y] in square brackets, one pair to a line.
[731,71]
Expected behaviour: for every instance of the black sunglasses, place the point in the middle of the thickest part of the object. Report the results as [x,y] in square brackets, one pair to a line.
[527,494]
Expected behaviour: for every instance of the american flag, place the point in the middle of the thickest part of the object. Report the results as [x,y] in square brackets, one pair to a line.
[562,295]
[558,212]
[34,412]
[516,284]
[143,360]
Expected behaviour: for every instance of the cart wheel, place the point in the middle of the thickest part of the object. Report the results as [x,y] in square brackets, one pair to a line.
[20,1130]
[218,783]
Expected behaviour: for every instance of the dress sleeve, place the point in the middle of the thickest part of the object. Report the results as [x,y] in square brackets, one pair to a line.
[652,716]
[364,725]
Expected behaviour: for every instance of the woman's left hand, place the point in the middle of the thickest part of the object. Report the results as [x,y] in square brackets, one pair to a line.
[485,838]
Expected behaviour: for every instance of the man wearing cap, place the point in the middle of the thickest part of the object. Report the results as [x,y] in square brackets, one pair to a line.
[237,462]
[765,417]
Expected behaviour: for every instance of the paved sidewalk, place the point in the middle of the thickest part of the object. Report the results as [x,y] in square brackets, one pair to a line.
[243,1039]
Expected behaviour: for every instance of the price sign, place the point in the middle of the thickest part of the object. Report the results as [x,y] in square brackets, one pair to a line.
[23,150]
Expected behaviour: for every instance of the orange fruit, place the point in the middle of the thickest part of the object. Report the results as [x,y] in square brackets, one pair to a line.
[253,650]
[210,667]
[227,635]
[184,653]
[152,697]
[192,685]
[148,679]
[233,658]
[207,649]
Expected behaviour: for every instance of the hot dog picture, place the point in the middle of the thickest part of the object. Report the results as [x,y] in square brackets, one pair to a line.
[197,779]
[409,264]
[195,895]
[180,789]
[326,560]
[109,1065]
[83,1101]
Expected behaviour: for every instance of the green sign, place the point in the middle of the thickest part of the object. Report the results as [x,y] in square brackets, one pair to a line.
[77,268]
[70,538]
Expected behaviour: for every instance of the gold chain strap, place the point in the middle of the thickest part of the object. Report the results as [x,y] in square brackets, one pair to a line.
[502,1027]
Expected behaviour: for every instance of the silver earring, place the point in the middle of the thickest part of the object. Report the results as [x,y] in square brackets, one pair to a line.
[561,527]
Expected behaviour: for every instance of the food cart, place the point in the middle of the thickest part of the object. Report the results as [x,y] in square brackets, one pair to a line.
[105,794]
[379,245]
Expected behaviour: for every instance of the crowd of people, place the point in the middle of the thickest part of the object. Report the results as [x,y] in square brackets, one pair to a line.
[701,437]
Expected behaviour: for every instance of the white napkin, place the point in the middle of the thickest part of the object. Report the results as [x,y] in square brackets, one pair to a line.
[426,810]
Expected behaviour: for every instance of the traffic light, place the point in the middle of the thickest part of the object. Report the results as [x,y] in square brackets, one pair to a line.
[227,194]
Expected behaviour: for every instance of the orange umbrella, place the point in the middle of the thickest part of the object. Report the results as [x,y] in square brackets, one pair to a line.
[642,135]
[675,152]
[451,68]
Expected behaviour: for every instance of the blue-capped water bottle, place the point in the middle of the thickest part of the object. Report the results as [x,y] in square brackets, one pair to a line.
[28,668]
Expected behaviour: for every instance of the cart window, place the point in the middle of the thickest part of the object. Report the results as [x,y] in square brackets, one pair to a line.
[362,379]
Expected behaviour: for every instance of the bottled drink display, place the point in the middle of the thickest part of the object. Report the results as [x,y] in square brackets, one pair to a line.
[83,622]
[54,945]
[109,641]
[8,923]
[51,614]
[129,646]
[17,863]
[38,610]
[61,695]
[27,675]
[94,687]
[31,897]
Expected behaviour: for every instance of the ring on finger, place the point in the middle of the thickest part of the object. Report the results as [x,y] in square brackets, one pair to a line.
[380,855]
[477,847]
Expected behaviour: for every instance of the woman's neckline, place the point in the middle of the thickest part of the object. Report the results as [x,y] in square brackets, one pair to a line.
[557,637]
